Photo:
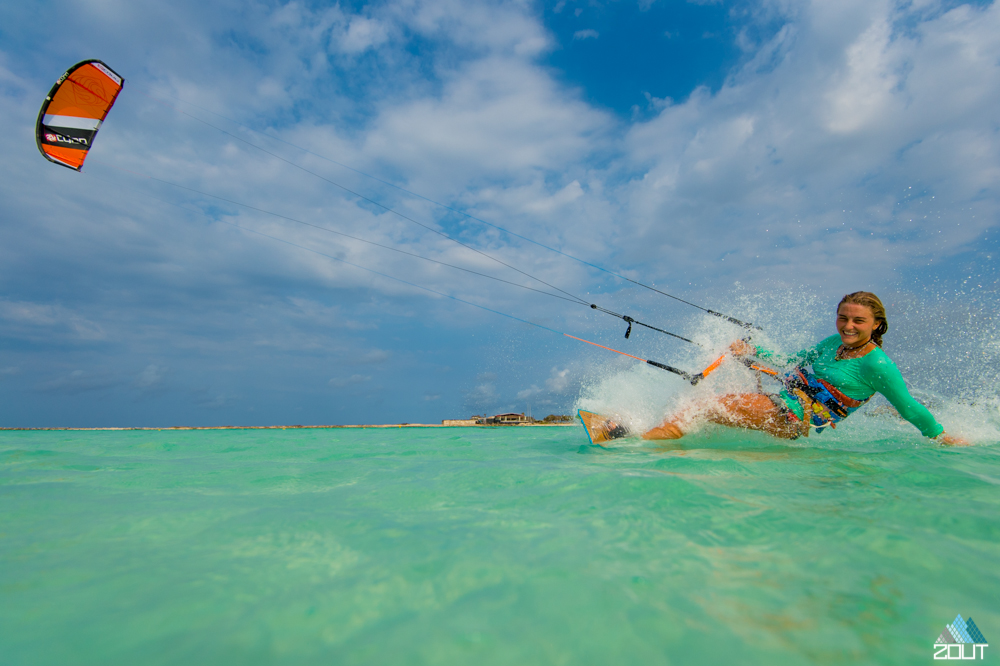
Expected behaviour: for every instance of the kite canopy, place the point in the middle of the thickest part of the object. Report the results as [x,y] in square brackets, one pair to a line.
[74,110]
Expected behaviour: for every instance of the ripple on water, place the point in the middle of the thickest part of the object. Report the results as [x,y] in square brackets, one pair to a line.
[489,545]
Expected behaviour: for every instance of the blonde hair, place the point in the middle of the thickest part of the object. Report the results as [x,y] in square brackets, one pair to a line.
[872,302]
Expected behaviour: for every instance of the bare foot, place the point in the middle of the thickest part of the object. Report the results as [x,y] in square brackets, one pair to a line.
[665,431]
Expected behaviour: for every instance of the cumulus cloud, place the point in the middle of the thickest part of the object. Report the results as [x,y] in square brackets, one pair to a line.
[341,382]
[151,377]
[373,356]
[484,395]
[216,400]
[557,383]
[861,92]
[27,319]
[362,34]
[77,381]
[533,127]
[529,392]
[805,163]
[854,141]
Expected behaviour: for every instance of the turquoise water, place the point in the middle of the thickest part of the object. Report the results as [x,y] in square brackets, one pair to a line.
[494,546]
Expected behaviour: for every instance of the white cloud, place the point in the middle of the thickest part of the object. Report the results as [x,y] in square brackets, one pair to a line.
[857,140]
[362,34]
[218,400]
[799,166]
[495,117]
[566,195]
[151,377]
[341,382]
[501,28]
[25,319]
[529,392]
[373,356]
[483,396]
[864,91]
[77,381]
[558,381]
[586,34]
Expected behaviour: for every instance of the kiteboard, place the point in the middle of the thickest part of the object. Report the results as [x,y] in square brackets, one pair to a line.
[602,429]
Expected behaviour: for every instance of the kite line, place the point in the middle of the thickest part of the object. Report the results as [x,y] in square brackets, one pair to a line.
[715,313]
[692,378]
[65,132]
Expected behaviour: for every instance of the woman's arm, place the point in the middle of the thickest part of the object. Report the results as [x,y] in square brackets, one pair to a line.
[883,376]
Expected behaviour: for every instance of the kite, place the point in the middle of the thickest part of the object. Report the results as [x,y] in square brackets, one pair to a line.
[74,110]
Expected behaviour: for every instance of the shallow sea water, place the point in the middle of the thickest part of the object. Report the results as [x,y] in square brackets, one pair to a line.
[491,546]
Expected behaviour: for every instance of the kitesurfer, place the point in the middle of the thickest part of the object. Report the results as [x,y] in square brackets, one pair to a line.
[846,370]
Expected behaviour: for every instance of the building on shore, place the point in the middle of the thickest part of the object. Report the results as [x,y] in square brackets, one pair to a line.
[509,419]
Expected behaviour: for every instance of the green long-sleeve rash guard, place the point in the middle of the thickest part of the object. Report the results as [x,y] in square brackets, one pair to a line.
[859,378]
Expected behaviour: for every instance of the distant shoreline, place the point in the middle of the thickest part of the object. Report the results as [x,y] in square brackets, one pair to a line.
[306,427]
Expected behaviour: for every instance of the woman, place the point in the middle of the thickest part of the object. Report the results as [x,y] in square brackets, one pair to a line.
[847,369]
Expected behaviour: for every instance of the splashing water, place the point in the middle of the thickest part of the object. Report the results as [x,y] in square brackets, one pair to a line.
[950,366]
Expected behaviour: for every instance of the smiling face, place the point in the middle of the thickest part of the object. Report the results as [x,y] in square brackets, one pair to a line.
[855,324]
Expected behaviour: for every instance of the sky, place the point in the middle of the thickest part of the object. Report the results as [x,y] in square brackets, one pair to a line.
[758,158]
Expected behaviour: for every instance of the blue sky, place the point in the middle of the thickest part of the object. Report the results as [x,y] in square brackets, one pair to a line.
[736,154]
[624,55]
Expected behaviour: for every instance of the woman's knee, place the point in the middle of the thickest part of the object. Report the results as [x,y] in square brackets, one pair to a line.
[664,431]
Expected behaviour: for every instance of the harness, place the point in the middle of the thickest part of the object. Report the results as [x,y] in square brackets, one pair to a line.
[823,404]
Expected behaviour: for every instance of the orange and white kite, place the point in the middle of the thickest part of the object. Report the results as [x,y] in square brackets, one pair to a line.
[74,110]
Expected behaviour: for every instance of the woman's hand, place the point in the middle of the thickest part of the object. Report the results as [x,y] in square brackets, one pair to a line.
[947,440]
[742,348]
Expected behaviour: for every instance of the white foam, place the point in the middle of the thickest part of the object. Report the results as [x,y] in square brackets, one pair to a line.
[964,399]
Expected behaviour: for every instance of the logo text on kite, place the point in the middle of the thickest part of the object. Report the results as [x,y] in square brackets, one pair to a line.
[59,138]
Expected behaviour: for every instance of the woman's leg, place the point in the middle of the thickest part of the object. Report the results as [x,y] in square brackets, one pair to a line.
[755,411]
